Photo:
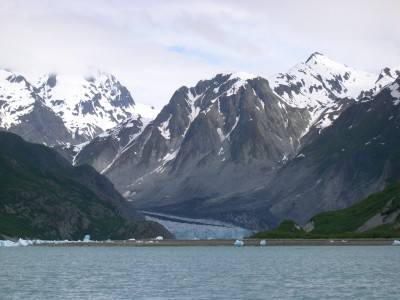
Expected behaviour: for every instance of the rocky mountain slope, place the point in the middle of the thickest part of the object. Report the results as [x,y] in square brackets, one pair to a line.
[208,137]
[377,216]
[250,151]
[43,196]
[354,157]
[59,110]
[231,147]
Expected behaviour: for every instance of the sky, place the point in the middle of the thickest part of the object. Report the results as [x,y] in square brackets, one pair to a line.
[155,46]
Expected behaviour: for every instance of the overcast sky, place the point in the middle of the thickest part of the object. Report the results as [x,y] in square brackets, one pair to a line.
[154,47]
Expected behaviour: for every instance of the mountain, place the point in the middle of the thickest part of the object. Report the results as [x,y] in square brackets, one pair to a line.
[206,138]
[356,156]
[43,196]
[377,216]
[232,148]
[22,111]
[68,110]
[249,151]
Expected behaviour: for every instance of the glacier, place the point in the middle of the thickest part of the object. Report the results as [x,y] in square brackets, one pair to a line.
[198,229]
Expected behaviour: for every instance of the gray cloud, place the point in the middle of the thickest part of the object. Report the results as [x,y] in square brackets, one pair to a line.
[168,44]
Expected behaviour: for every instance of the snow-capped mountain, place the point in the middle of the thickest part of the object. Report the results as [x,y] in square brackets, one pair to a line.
[386,76]
[85,107]
[356,156]
[22,111]
[215,146]
[104,149]
[319,83]
[15,98]
[205,138]
[236,148]
[91,105]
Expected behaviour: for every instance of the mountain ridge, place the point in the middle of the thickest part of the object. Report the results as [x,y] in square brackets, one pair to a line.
[82,108]
[43,196]
[240,148]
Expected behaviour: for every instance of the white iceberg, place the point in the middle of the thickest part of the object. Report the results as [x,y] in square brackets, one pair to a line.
[396,243]
[86,238]
[159,238]
[263,243]
[238,243]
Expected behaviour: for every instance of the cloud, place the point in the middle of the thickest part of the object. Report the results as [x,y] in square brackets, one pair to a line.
[155,46]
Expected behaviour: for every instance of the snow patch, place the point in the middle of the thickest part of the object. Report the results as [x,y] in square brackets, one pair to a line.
[164,130]
[241,79]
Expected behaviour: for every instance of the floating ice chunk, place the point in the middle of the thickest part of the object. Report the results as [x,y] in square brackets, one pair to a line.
[86,238]
[396,243]
[8,244]
[24,243]
[238,243]
[159,238]
[263,243]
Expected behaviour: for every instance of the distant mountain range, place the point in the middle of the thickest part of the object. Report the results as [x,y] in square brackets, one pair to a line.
[252,151]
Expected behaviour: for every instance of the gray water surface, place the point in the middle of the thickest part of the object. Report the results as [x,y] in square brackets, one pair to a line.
[200,273]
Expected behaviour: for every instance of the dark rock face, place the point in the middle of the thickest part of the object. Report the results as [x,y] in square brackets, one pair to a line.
[204,145]
[230,149]
[356,156]
[253,152]
[43,196]
[42,125]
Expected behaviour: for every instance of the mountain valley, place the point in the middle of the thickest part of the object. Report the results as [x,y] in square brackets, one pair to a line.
[236,148]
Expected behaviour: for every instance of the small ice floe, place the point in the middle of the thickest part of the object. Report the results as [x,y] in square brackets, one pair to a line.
[86,238]
[238,243]
[132,239]
[396,243]
[159,238]
[344,241]
[263,243]
[22,243]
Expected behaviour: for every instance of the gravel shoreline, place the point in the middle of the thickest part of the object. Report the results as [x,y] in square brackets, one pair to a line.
[247,242]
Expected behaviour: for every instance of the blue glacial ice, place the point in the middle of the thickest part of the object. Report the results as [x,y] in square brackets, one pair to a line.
[193,229]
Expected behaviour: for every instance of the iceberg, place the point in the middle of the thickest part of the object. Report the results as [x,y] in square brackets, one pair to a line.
[159,238]
[263,243]
[238,243]
[396,243]
[86,238]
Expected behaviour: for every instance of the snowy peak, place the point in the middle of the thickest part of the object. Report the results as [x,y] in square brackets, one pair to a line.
[319,58]
[319,83]
[17,98]
[82,107]
[394,88]
[387,75]
[88,106]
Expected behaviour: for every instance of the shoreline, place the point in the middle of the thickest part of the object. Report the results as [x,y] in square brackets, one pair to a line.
[217,242]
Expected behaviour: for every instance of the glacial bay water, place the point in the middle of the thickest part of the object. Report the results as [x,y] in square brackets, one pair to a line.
[332,272]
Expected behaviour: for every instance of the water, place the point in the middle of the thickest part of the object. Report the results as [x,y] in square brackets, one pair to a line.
[200,272]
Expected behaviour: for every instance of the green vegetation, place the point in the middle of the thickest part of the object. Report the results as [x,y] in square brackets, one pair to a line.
[42,196]
[344,223]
